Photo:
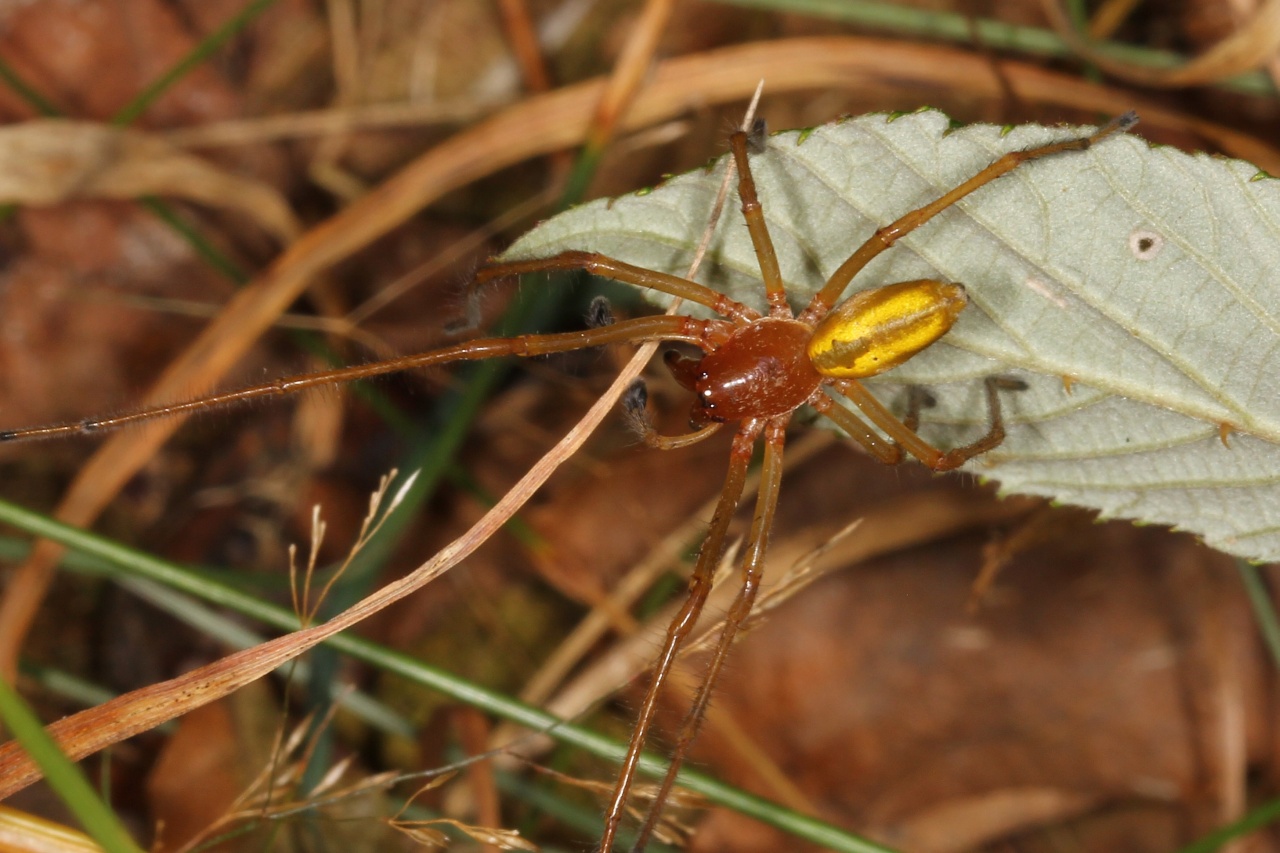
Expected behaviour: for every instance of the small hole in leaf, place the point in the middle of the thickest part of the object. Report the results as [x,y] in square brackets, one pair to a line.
[1145,245]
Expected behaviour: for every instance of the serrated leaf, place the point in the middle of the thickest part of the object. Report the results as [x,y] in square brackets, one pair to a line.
[1133,288]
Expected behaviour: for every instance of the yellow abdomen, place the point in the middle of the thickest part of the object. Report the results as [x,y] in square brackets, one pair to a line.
[881,328]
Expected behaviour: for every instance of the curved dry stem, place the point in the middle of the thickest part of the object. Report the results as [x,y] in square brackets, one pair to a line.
[91,730]
[1246,49]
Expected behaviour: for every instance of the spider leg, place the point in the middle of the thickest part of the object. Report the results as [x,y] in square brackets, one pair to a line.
[885,237]
[752,570]
[874,410]
[607,267]
[753,213]
[701,333]
[890,453]
[600,313]
[699,586]
[857,429]
[908,440]
[917,399]
[633,407]
[995,432]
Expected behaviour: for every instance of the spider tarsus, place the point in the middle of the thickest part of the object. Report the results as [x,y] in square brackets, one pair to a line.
[8,435]
[636,397]
[456,327]
[635,402]
[919,398]
[758,136]
[1126,121]
[1119,124]
[470,320]
[1007,383]
[599,313]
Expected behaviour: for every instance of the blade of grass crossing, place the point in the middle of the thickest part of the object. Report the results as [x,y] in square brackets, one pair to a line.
[66,779]
[1264,610]
[194,58]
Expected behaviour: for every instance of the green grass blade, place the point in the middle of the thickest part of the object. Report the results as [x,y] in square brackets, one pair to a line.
[1256,819]
[202,51]
[1264,610]
[24,90]
[986,33]
[63,775]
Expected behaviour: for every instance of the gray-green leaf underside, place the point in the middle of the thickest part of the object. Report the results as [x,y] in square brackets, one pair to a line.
[1145,276]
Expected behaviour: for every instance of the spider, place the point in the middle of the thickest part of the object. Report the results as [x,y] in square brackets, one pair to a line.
[756,370]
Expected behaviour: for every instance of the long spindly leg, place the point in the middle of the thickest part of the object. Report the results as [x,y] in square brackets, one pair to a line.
[753,213]
[888,452]
[610,268]
[995,430]
[929,455]
[885,237]
[752,571]
[701,333]
[857,429]
[699,586]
